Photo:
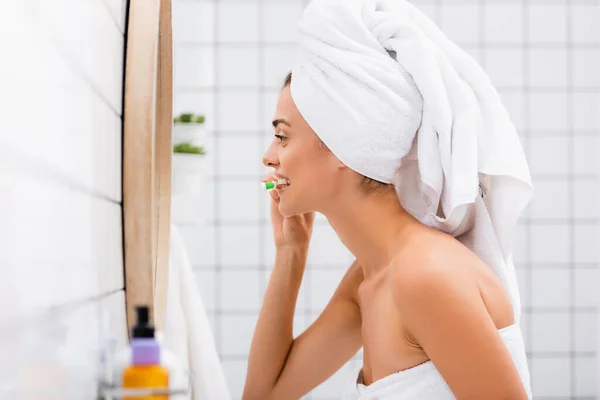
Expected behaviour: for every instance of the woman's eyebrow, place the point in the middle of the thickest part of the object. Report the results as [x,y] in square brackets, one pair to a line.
[280,121]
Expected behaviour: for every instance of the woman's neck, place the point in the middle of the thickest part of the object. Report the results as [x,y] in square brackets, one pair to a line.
[372,227]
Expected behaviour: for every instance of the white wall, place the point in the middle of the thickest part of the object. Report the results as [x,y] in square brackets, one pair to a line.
[61,258]
[230,59]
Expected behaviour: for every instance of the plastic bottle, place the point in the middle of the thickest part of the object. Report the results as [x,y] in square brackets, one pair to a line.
[145,370]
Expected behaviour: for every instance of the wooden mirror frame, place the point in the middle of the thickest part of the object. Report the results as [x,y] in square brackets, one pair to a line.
[147,156]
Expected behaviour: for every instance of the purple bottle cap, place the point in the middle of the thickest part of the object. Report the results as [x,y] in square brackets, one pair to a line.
[145,351]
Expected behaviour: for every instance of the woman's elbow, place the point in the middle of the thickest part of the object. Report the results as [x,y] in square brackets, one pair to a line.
[253,393]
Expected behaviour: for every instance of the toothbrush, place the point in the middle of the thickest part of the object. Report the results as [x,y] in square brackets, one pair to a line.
[273,184]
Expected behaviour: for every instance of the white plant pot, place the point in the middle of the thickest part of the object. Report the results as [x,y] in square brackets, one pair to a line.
[189,132]
[188,174]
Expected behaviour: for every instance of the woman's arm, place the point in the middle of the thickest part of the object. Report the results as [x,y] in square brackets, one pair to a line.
[281,367]
[449,320]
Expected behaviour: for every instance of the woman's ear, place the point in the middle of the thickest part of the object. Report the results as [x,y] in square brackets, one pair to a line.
[334,160]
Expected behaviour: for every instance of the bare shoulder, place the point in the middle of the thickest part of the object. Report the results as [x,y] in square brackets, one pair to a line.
[435,288]
[433,270]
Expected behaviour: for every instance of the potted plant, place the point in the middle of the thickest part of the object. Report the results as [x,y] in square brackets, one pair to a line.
[188,128]
[188,169]
[188,166]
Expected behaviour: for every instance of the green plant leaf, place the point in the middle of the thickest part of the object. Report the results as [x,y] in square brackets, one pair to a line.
[187,118]
[188,148]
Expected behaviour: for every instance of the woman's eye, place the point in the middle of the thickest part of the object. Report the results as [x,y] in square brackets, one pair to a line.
[280,138]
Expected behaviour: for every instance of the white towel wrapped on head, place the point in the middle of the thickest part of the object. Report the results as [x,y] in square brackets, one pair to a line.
[395,100]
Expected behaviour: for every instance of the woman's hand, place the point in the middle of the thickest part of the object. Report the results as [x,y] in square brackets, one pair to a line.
[289,232]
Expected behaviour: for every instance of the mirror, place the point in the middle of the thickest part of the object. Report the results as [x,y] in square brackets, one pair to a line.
[147,156]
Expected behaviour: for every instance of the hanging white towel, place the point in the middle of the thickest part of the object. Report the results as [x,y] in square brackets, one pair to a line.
[187,330]
[395,100]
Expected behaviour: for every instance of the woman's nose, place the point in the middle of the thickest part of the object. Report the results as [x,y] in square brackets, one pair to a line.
[270,157]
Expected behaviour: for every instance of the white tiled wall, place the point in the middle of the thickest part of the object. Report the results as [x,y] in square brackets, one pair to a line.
[543,56]
[61,256]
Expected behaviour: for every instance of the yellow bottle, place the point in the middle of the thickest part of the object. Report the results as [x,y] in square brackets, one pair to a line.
[145,371]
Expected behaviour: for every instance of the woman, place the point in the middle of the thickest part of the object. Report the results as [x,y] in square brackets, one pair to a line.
[431,296]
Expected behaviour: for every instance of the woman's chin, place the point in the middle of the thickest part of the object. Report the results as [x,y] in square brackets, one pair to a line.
[288,209]
[285,210]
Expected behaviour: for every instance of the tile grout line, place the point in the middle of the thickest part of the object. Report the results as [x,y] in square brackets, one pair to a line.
[337,267]
[506,89]
[538,133]
[262,230]
[463,45]
[113,17]
[307,283]
[526,310]
[538,355]
[218,281]
[570,190]
[547,222]
[526,138]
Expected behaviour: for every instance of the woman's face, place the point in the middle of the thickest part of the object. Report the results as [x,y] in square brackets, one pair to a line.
[297,154]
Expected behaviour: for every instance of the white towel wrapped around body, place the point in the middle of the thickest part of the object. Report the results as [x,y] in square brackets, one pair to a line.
[397,101]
